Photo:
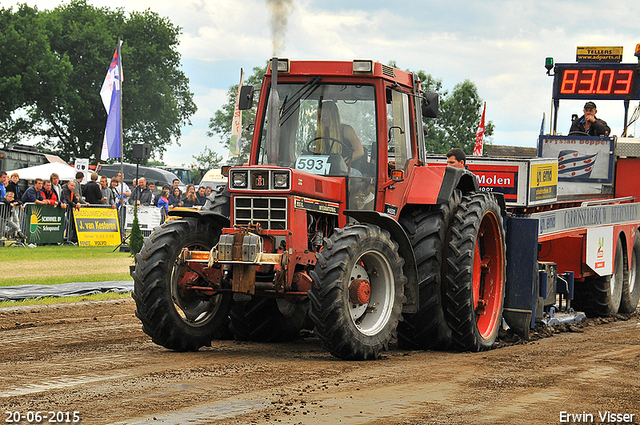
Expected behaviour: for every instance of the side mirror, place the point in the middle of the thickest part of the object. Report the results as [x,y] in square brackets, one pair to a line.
[430,105]
[246,98]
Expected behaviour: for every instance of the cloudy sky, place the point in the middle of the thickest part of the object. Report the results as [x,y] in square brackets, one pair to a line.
[500,45]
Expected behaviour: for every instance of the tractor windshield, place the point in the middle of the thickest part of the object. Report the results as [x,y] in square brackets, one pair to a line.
[325,129]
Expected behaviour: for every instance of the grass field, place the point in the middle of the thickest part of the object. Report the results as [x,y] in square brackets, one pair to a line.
[49,265]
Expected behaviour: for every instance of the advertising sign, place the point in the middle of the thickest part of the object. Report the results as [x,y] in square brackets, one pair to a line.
[45,224]
[97,226]
[543,183]
[580,158]
[600,250]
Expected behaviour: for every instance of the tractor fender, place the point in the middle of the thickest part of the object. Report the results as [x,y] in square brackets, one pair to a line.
[388,223]
[210,216]
[456,178]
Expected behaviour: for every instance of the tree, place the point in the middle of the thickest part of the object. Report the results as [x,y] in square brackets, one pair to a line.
[75,43]
[208,159]
[30,70]
[458,117]
[220,123]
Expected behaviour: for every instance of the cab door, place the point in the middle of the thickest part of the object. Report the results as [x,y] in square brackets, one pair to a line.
[401,153]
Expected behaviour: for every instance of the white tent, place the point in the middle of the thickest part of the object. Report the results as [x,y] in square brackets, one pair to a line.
[65,172]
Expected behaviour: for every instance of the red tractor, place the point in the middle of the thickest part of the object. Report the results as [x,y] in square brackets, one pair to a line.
[337,224]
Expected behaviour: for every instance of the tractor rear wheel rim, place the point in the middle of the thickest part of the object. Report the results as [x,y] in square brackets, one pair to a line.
[488,266]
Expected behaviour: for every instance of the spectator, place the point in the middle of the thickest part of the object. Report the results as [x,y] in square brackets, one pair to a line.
[141,193]
[13,187]
[163,201]
[114,185]
[69,195]
[9,217]
[78,187]
[207,191]
[92,191]
[108,196]
[57,188]
[190,199]
[122,186]
[33,193]
[4,181]
[175,199]
[152,188]
[201,195]
[175,183]
[48,195]
[71,198]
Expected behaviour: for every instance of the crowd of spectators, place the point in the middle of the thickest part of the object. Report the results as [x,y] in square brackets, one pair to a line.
[99,191]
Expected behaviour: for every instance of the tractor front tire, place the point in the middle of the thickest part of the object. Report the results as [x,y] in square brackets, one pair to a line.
[357,292]
[173,316]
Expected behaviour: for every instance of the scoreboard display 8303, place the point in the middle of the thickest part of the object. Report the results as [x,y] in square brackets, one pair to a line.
[591,81]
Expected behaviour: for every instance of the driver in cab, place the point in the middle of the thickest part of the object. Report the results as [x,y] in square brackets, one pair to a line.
[589,124]
[331,132]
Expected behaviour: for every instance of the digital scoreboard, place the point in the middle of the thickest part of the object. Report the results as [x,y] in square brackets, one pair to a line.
[593,81]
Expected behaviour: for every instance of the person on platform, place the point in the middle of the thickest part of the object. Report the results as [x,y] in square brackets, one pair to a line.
[589,123]
[92,191]
[456,158]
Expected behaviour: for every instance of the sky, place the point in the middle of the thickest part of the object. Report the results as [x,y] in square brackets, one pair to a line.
[500,45]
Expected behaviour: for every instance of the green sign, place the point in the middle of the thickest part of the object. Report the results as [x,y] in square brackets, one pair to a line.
[45,224]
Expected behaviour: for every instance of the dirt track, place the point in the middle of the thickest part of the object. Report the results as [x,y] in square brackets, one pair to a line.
[94,359]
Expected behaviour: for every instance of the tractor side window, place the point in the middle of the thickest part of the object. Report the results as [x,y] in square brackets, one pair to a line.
[398,129]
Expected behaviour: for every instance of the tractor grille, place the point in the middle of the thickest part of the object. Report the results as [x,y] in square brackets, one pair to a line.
[271,213]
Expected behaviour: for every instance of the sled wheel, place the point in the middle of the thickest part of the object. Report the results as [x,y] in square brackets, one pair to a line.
[357,292]
[631,286]
[601,296]
[172,315]
[476,273]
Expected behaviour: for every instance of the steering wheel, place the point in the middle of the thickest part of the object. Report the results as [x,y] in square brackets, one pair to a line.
[346,149]
[578,132]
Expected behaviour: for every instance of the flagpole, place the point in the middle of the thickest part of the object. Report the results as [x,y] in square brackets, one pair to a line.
[120,124]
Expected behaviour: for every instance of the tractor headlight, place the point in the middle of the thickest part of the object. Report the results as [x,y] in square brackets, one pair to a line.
[239,179]
[281,180]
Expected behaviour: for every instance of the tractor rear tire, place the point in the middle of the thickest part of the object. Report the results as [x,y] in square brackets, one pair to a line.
[267,319]
[174,317]
[476,270]
[631,286]
[357,292]
[601,296]
[427,329]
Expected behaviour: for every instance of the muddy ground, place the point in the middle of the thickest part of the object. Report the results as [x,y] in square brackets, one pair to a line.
[92,358]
